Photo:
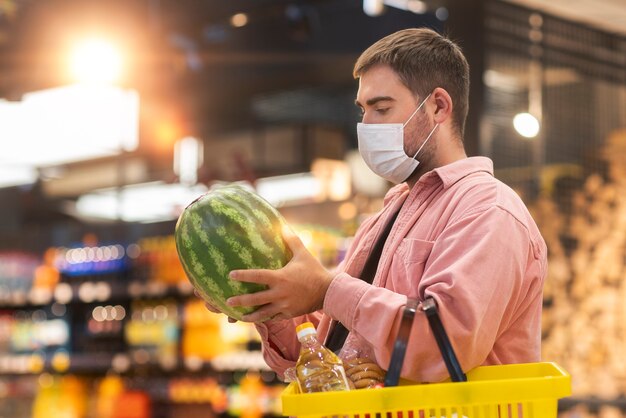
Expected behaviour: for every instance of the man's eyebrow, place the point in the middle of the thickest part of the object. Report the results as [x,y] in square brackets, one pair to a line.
[374,100]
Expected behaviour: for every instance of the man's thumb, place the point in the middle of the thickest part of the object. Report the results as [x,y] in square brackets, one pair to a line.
[291,239]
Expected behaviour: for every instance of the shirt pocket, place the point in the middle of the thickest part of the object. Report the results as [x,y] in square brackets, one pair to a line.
[408,265]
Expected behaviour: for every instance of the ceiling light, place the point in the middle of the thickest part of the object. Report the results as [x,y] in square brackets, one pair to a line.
[67,124]
[442,14]
[414,6]
[148,202]
[96,61]
[239,20]
[526,125]
[16,175]
[188,157]
[291,188]
[373,7]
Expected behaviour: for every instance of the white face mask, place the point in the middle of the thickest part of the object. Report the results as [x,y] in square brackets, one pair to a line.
[382,147]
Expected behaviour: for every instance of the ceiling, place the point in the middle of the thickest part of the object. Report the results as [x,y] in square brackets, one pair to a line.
[606,15]
[192,62]
[193,66]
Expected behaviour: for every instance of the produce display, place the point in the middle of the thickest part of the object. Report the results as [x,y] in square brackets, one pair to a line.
[584,317]
[229,228]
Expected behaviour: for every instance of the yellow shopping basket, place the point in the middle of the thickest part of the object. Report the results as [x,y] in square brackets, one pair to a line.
[528,390]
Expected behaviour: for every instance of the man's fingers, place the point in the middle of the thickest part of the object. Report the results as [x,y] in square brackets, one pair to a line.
[262,314]
[212,308]
[217,311]
[252,299]
[252,276]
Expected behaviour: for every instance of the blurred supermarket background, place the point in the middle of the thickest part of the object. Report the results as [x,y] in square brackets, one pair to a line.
[114,114]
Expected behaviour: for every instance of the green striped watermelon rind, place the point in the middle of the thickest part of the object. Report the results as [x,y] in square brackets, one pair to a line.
[229,228]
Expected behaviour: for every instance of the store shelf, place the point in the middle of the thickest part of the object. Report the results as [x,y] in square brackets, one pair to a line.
[96,291]
[136,320]
[209,395]
[101,363]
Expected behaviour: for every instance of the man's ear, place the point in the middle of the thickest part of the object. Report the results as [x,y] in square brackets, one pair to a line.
[443,105]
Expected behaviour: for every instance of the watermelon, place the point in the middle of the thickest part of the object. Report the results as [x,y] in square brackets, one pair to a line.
[229,228]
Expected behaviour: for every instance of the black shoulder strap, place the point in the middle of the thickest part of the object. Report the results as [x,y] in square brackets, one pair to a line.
[338,333]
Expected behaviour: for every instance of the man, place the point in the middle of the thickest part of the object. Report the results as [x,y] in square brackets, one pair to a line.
[460,236]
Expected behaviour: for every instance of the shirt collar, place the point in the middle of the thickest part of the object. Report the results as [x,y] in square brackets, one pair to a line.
[448,175]
[451,173]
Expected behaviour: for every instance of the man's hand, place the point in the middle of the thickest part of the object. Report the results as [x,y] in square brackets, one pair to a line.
[296,289]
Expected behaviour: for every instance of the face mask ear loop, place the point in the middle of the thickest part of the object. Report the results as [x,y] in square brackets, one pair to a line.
[426,140]
[416,110]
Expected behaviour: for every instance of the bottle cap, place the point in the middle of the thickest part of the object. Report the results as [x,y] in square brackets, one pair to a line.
[305,329]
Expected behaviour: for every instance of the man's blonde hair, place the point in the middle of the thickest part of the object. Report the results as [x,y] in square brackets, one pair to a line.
[424,60]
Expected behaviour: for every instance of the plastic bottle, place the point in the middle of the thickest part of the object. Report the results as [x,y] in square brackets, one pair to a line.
[318,369]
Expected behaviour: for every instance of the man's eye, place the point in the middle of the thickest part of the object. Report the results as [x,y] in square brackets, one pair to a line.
[382,111]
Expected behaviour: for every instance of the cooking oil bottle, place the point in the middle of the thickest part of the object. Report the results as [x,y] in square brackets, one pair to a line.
[318,369]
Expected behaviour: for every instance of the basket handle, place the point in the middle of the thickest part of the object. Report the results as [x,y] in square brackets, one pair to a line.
[399,348]
[429,307]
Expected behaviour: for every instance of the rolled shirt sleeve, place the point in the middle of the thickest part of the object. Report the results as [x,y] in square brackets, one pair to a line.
[280,344]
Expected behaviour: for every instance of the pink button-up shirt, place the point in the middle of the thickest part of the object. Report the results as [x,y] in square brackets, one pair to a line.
[462,237]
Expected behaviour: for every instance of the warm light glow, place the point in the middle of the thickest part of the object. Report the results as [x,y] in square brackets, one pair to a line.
[96,61]
[526,125]
[334,179]
[347,211]
[306,237]
[239,20]
[166,133]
